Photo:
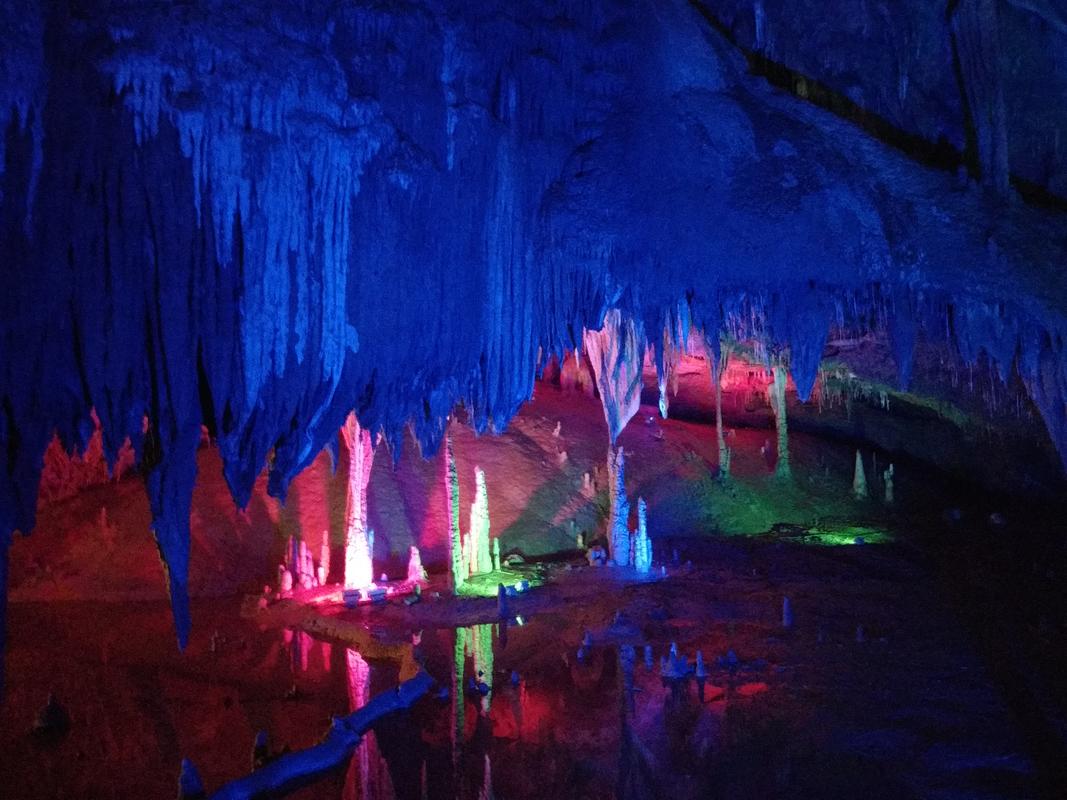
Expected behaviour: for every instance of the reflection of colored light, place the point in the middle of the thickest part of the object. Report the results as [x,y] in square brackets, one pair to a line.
[305,645]
[357,784]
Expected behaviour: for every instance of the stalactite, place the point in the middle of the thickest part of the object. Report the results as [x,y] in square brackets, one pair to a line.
[616,353]
[197,235]
[666,369]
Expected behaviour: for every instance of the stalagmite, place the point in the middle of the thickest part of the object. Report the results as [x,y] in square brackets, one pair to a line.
[416,572]
[209,225]
[468,558]
[777,391]
[642,544]
[718,371]
[700,672]
[455,541]
[481,560]
[618,521]
[190,787]
[496,554]
[859,479]
[359,571]
[305,569]
[324,556]
[887,479]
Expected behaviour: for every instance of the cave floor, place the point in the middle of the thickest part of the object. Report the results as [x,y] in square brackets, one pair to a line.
[883,687]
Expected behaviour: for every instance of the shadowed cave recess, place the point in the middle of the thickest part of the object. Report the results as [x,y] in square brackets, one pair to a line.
[671,397]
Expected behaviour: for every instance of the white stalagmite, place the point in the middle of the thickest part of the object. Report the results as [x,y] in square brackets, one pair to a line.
[496,554]
[616,355]
[457,558]
[359,571]
[642,544]
[859,479]
[777,392]
[324,556]
[416,572]
[481,559]
[887,478]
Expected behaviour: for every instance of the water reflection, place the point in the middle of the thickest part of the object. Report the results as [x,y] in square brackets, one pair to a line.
[368,774]
[560,721]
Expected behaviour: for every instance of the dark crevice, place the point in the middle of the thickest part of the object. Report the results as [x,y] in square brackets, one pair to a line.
[941,155]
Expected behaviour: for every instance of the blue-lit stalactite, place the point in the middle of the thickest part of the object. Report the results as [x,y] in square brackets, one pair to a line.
[259,217]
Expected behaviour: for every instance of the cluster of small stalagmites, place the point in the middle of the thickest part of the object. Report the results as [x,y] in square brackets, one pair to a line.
[821,634]
[675,670]
[300,570]
[859,481]
[627,548]
[478,552]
